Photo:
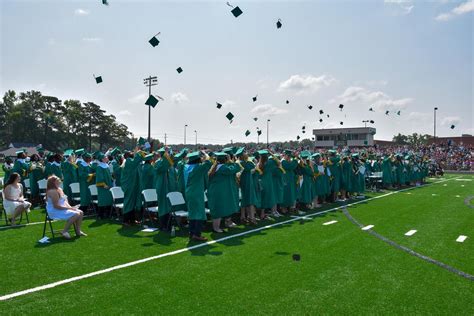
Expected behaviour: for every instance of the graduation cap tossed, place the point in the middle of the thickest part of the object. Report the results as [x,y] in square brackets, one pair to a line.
[105,2]
[152,100]
[298,137]
[372,121]
[255,119]
[287,102]
[342,123]
[320,120]
[386,112]
[279,25]
[327,115]
[310,107]
[230,116]
[453,126]
[398,113]
[254,99]
[371,110]
[235,11]
[321,112]
[154,40]
[218,105]
[341,106]
[98,79]
[179,70]
[259,132]
[247,133]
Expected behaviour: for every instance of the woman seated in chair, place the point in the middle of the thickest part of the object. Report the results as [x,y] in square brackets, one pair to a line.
[13,201]
[58,207]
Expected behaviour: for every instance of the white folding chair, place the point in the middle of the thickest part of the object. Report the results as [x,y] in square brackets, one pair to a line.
[117,200]
[76,192]
[94,197]
[42,187]
[178,206]
[27,187]
[208,211]
[150,204]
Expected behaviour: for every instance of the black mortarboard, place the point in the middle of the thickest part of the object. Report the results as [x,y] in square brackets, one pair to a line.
[247,133]
[98,79]
[218,105]
[304,126]
[386,112]
[303,131]
[254,99]
[327,115]
[452,126]
[372,121]
[436,109]
[235,11]
[341,106]
[259,132]
[298,137]
[310,107]
[296,257]
[255,119]
[321,112]
[320,120]
[179,70]
[154,40]
[151,101]
[371,110]
[342,123]
[105,2]
[398,113]
[230,116]
[287,102]
[279,24]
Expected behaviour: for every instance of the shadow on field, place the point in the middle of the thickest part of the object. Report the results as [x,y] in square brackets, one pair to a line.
[203,251]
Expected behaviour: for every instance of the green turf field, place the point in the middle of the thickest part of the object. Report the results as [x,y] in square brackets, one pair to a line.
[343,269]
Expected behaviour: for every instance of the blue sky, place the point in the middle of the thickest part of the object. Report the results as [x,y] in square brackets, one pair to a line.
[390,55]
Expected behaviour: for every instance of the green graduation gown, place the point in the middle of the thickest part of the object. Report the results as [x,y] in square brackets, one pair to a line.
[221,193]
[194,179]
[289,182]
[269,198]
[387,171]
[84,171]
[306,187]
[103,178]
[7,169]
[248,185]
[162,184]
[21,167]
[336,174]
[117,173]
[130,183]
[36,174]
[69,171]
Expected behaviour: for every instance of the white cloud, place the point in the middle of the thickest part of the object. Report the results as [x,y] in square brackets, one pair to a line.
[81,12]
[421,119]
[139,98]
[124,113]
[375,99]
[92,39]
[305,83]
[179,97]
[403,7]
[268,110]
[450,120]
[461,9]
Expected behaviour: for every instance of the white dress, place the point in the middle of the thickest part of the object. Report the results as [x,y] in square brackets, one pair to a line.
[54,213]
[14,194]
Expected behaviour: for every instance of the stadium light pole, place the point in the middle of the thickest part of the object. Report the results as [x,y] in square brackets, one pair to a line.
[268,123]
[434,124]
[196,138]
[185,125]
[365,122]
[149,82]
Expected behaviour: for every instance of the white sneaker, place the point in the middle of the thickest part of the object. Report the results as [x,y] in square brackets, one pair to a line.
[276,214]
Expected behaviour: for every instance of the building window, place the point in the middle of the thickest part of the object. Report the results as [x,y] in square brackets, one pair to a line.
[326,137]
[319,137]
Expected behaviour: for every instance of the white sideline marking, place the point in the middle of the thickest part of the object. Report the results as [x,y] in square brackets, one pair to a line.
[463,179]
[461,238]
[411,232]
[434,194]
[329,223]
[368,227]
[458,196]
[462,185]
[408,192]
[445,185]
[133,263]
[36,223]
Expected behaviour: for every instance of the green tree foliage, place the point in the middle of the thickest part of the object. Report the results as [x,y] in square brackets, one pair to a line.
[413,139]
[34,118]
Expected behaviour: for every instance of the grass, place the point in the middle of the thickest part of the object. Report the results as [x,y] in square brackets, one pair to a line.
[342,269]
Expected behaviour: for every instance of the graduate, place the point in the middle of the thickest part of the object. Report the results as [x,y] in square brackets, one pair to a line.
[290,179]
[346,187]
[147,176]
[194,175]
[248,188]
[7,169]
[221,192]
[163,186]
[305,169]
[116,166]
[278,175]
[36,173]
[387,172]
[70,173]
[335,171]
[103,181]
[85,177]
[21,166]
[266,167]
[130,183]
[53,168]
[318,182]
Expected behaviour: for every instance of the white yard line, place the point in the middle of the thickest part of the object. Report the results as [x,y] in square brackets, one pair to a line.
[461,238]
[411,232]
[329,223]
[172,253]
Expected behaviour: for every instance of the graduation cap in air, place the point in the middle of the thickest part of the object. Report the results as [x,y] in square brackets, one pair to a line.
[303,131]
[386,112]
[179,70]
[327,115]
[259,132]
[218,105]
[235,11]
[279,25]
[372,121]
[230,116]
[321,112]
[303,127]
[298,137]
[310,107]
[154,40]
[254,99]
[341,106]
[287,102]
[255,119]
[247,133]
[371,110]
[320,120]
[105,2]
[98,79]
[342,123]
[398,113]
[152,101]
[452,126]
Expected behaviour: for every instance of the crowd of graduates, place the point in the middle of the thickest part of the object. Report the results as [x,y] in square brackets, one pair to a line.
[255,185]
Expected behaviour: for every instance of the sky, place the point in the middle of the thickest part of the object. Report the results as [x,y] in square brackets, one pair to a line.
[396,55]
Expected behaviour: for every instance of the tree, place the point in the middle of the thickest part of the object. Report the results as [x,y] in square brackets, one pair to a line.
[400,139]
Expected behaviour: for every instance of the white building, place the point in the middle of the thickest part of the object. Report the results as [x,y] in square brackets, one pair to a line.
[340,137]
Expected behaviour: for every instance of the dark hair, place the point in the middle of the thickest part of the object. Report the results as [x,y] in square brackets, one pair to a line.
[12,178]
[8,160]
[35,157]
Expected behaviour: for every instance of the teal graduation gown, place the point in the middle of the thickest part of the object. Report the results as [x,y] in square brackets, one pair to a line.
[194,179]
[221,193]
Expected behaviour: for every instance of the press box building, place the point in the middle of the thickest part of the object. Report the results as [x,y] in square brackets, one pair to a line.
[341,137]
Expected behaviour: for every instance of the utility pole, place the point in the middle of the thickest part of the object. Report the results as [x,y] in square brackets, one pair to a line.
[165,140]
[434,124]
[196,139]
[268,122]
[185,125]
[149,82]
